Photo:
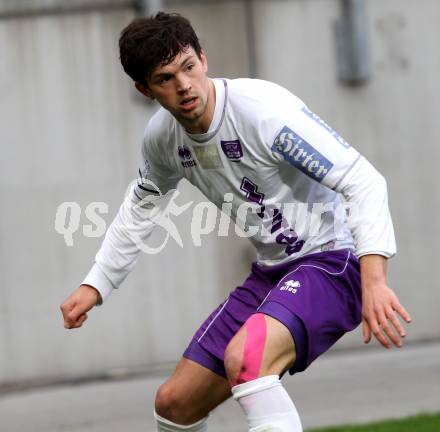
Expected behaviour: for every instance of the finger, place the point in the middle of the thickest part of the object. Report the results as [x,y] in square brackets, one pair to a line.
[366,331]
[66,307]
[68,324]
[77,323]
[81,320]
[387,329]
[376,330]
[402,311]
[72,317]
[396,323]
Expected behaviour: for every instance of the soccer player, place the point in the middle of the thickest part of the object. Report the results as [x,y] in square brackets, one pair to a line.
[254,145]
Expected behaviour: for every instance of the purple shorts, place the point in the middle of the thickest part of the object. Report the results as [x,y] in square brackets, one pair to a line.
[317,297]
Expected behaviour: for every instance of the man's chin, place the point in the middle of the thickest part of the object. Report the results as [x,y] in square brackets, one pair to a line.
[191,115]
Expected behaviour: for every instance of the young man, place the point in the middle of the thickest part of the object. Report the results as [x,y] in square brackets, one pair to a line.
[259,144]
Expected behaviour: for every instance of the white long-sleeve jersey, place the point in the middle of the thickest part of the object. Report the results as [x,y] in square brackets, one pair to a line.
[286,171]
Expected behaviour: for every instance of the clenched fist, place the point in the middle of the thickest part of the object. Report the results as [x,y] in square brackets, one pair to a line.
[76,306]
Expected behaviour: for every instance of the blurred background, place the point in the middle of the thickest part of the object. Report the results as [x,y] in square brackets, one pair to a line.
[71,130]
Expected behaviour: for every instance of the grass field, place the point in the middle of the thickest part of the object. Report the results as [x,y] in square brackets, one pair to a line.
[420,423]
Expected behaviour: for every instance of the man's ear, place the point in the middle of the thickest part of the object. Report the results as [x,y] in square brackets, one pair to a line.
[142,88]
[204,60]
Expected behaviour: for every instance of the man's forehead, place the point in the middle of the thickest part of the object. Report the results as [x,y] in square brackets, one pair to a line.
[180,58]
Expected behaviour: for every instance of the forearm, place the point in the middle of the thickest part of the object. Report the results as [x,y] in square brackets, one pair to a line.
[373,233]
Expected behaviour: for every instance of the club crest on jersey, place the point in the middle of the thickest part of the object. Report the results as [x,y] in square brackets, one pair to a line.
[232,150]
[186,157]
[301,154]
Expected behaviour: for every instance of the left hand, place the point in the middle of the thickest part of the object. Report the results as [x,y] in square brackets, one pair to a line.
[380,311]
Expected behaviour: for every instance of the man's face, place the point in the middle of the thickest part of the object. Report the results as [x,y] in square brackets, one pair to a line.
[182,87]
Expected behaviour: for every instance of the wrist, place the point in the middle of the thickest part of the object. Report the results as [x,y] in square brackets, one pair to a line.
[373,270]
[93,292]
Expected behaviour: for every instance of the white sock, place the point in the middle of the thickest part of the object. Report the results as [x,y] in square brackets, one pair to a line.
[267,405]
[164,425]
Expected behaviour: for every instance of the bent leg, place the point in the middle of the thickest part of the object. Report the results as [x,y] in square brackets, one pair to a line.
[188,396]
[261,351]
[263,346]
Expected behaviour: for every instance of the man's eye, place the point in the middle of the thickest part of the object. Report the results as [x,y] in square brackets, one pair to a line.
[189,67]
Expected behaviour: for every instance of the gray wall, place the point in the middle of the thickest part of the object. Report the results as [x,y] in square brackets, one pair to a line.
[392,120]
[71,131]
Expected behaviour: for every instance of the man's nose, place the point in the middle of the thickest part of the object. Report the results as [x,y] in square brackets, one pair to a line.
[183,84]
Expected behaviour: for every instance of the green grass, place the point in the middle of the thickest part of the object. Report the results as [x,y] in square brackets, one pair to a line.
[420,423]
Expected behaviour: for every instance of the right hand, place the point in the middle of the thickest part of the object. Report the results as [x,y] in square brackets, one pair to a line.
[76,306]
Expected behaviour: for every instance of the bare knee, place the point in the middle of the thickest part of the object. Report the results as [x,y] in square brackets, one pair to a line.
[171,406]
[165,403]
[190,394]
[233,361]
[244,354]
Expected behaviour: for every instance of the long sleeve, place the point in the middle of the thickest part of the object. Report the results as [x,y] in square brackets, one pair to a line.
[365,189]
[143,207]
[125,238]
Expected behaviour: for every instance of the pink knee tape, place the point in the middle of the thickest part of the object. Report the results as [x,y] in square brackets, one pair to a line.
[253,349]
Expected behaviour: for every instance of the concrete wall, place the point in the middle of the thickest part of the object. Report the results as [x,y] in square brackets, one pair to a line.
[392,120]
[38,6]
[72,126]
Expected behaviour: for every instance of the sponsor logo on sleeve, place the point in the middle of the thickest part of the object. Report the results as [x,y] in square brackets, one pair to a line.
[232,150]
[328,128]
[301,154]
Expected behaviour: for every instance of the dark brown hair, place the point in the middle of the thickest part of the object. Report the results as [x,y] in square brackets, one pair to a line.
[150,42]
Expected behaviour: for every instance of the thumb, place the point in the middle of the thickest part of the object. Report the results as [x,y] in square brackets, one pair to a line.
[81,320]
